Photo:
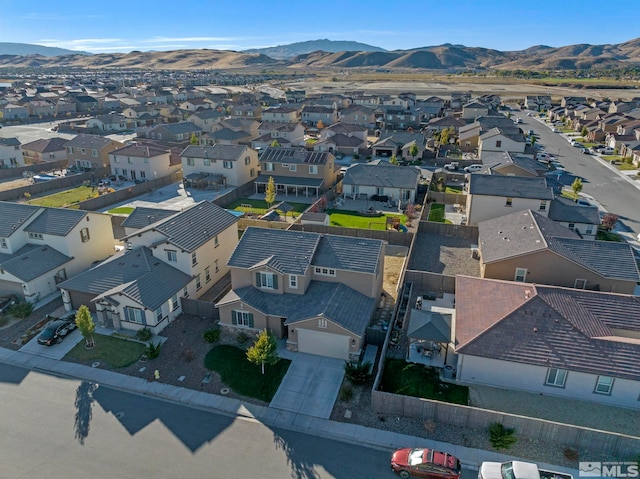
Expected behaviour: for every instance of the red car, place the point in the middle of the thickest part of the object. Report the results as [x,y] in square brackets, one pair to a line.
[427,463]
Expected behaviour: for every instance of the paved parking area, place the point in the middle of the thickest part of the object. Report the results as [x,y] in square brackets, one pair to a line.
[311,385]
[57,351]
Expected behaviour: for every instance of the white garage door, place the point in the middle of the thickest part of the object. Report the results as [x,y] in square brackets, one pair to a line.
[323,344]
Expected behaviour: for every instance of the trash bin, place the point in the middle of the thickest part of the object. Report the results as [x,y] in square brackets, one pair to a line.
[448,372]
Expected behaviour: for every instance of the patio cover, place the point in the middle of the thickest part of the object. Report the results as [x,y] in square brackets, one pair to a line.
[283,206]
[429,326]
[291,181]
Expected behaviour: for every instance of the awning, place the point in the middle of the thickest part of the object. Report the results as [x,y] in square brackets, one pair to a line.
[291,181]
[429,326]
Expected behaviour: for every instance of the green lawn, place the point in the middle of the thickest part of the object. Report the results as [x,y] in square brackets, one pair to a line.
[456,190]
[625,166]
[66,198]
[417,380]
[244,377]
[604,235]
[436,213]
[122,210]
[116,352]
[260,207]
[352,219]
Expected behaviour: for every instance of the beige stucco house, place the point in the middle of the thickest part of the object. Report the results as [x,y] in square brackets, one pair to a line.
[140,162]
[90,151]
[224,165]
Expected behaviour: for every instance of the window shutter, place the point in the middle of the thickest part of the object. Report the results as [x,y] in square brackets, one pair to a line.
[234,317]
[258,280]
[251,320]
[275,281]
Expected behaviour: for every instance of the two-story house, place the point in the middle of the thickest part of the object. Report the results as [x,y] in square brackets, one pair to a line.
[207,119]
[499,140]
[582,219]
[358,115]
[173,132]
[90,151]
[44,150]
[224,165]
[140,162]
[318,116]
[317,291]
[296,171]
[11,155]
[182,255]
[40,247]
[283,134]
[281,114]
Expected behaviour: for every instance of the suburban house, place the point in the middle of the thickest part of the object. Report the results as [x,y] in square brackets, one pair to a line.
[491,196]
[11,155]
[12,111]
[469,135]
[498,139]
[584,220]
[398,143]
[206,119]
[44,150]
[296,171]
[41,247]
[90,151]
[173,132]
[317,291]
[280,114]
[142,162]
[284,134]
[318,116]
[358,115]
[474,109]
[342,138]
[508,164]
[548,340]
[188,250]
[382,179]
[141,217]
[222,165]
[112,122]
[528,247]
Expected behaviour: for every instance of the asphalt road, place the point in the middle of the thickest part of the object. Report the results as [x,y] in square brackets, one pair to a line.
[613,193]
[63,428]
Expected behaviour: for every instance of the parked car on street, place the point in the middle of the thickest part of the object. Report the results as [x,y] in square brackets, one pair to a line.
[56,330]
[7,301]
[425,463]
[472,168]
[453,166]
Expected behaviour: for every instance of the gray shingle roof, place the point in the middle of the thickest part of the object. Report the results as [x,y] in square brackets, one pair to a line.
[55,221]
[45,145]
[348,253]
[135,274]
[565,210]
[13,215]
[510,186]
[88,141]
[32,261]
[142,217]
[381,175]
[191,228]
[565,328]
[335,301]
[140,151]
[177,128]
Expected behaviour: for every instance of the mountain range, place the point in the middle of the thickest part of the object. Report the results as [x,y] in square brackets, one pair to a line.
[327,54]
[7,48]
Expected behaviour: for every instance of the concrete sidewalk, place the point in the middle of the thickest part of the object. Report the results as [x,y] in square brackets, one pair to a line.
[351,433]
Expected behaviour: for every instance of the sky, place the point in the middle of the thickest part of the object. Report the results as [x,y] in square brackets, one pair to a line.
[123,26]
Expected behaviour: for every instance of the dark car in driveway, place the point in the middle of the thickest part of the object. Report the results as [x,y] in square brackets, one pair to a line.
[55,331]
[425,463]
[7,301]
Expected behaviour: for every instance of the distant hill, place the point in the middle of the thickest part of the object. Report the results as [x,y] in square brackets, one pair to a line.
[291,50]
[7,48]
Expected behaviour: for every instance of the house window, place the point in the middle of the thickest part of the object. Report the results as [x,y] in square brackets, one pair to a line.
[84,235]
[216,241]
[252,172]
[215,264]
[293,167]
[521,275]
[604,384]
[580,284]
[185,292]
[194,259]
[207,274]
[158,314]
[380,191]
[543,205]
[242,318]
[556,377]
[227,164]
[498,143]
[172,256]
[325,271]
[588,230]
[198,282]
[293,281]
[3,243]
[268,167]
[266,280]
[190,162]
[247,160]
[174,304]
[133,315]
[313,169]
[207,162]
[322,322]
[37,236]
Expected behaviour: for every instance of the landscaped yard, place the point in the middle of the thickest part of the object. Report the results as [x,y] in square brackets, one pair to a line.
[116,352]
[66,198]
[604,235]
[244,377]
[122,210]
[417,380]
[353,219]
[260,207]
[436,213]
[456,190]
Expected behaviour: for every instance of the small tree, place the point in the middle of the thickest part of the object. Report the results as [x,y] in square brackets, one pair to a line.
[85,324]
[444,137]
[393,160]
[584,132]
[609,221]
[194,139]
[270,191]
[264,350]
[275,143]
[576,186]
[413,151]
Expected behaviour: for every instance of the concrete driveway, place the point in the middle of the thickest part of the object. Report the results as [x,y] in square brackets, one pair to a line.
[57,351]
[310,386]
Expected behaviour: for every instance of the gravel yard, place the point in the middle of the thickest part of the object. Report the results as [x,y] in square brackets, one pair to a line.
[447,255]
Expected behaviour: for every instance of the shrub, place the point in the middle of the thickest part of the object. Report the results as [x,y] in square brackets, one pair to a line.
[356,157]
[346,393]
[188,355]
[144,334]
[211,335]
[357,373]
[501,437]
[242,338]
[21,310]
[153,350]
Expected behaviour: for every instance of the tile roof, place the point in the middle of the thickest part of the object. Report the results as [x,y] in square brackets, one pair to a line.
[547,326]
[294,155]
[382,175]
[13,215]
[141,217]
[55,221]
[134,274]
[510,186]
[191,228]
[32,261]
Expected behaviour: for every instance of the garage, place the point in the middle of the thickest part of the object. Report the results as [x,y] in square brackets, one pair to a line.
[323,344]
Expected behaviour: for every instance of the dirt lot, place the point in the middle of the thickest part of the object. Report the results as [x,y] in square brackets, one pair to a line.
[16,183]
